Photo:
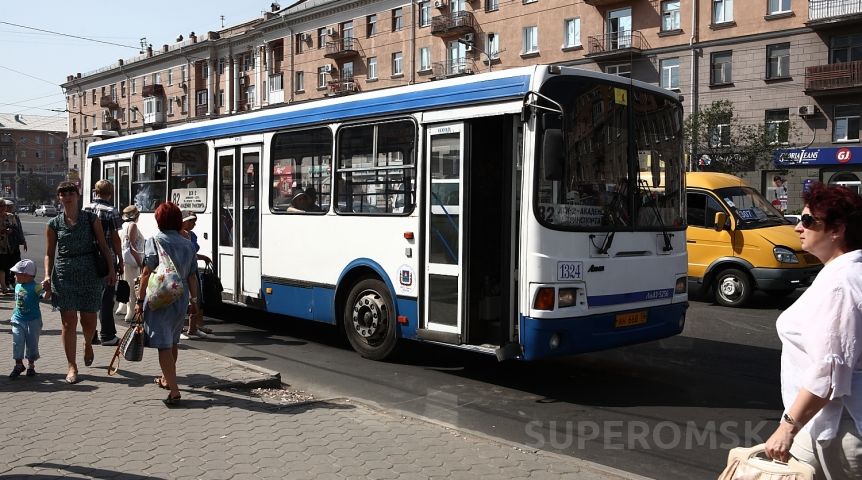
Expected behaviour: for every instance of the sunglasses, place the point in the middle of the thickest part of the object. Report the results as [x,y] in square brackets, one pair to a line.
[808,220]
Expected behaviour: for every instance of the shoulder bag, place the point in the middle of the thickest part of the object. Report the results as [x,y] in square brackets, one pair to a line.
[99,263]
[165,285]
[753,464]
[131,347]
[211,287]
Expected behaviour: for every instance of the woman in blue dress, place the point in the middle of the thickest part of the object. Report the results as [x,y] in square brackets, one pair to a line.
[163,324]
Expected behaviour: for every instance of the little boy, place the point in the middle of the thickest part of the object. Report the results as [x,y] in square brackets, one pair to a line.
[26,319]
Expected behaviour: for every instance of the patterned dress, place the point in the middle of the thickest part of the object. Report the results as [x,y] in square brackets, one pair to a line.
[74,282]
[163,326]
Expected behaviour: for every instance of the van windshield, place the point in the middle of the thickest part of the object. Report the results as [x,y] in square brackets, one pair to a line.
[750,208]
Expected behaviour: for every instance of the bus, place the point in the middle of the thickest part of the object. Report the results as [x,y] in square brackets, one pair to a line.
[526,213]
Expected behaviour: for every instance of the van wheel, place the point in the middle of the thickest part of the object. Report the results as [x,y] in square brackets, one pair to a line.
[732,288]
[369,319]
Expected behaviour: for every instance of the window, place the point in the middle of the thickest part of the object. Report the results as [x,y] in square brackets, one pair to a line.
[670,16]
[184,103]
[846,48]
[492,5]
[779,6]
[94,96]
[301,161]
[376,169]
[397,19]
[531,40]
[321,37]
[133,116]
[74,125]
[276,82]
[778,125]
[133,87]
[170,107]
[347,33]
[778,60]
[572,33]
[722,11]
[321,77]
[720,68]
[148,183]
[845,126]
[248,61]
[205,70]
[371,25]
[201,97]
[122,89]
[170,76]
[157,78]
[623,70]
[397,64]
[492,46]
[701,210]
[188,179]
[670,73]
[221,64]
[372,68]
[113,89]
[424,59]
[299,82]
[424,13]
[347,71]
[85,123]
[719,135]
[456,6]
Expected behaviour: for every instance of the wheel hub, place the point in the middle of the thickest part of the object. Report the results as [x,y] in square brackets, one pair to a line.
[369,312]
[730,287]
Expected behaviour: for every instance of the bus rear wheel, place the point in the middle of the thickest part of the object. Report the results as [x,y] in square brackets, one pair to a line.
[732,288]
[369,319]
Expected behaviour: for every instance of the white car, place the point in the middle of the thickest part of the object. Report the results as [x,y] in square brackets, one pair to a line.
[45,211]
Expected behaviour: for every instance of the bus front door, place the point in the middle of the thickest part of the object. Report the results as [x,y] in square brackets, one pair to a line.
[444,227]
[238,220]
[118,173]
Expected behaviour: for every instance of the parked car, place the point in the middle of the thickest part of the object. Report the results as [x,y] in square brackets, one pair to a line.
[45,211]
[24,209]
[792,218]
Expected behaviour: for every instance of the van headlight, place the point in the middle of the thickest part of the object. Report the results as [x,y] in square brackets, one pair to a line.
[784,255]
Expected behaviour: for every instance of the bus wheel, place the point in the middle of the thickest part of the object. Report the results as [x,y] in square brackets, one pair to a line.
[732,288]
[369,319]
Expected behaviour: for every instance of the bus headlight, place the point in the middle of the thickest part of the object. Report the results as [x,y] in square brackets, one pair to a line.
[567,297]
[784,255]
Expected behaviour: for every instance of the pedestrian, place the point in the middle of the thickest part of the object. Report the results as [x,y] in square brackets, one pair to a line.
[132,245]
[196,326]
[163,326]
[26,318]
[821,343]
[8,245]
[71,276]
[111,224]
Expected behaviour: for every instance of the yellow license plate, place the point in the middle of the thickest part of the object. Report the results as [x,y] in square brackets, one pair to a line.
[629,319]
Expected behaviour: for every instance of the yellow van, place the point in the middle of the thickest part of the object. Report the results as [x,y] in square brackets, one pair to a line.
[737,241]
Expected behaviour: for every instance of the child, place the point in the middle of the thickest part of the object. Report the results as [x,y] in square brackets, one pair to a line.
[26,319]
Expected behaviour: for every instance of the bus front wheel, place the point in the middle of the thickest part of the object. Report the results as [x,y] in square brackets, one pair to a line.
[369,319]
[732,288]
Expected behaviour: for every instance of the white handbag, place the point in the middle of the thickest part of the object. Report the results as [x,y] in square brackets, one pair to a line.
[753,464]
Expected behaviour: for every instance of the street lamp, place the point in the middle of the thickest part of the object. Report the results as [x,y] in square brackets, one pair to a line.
[469,43]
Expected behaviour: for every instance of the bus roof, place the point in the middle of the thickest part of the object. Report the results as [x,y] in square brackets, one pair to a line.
[509,84]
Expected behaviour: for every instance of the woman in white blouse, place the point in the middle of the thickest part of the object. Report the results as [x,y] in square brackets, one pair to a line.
[821,338]
[132,241]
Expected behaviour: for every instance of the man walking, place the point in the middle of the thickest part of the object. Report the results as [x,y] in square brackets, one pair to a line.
[111,224]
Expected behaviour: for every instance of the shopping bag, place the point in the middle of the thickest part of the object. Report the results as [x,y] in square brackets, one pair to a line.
[131,346]
[753,464]
[165,285]
[211,287]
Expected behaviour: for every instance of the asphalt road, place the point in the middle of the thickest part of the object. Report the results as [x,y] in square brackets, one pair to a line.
[669,409]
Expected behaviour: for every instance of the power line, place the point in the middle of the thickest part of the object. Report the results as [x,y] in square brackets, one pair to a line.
[69,35]
[28,75]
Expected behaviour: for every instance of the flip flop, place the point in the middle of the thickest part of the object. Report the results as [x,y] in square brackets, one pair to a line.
[160,381]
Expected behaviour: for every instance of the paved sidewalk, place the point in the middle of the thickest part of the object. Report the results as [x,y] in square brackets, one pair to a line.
[225,428]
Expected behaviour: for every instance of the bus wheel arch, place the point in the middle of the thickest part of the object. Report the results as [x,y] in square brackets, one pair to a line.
[367,315]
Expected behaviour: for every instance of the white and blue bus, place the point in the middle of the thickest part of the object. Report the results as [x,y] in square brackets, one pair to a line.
[526,213]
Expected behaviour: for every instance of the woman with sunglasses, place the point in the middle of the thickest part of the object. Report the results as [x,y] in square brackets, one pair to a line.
[821,337]
[71,275]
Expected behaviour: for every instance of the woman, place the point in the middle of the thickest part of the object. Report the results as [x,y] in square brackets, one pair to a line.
[821,337]
[133,253]
[71,275]
[8,242]
[164,325]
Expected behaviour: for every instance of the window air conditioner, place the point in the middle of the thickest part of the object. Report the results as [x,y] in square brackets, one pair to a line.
[439,4]
[330,31]
[806,110]
[327,68]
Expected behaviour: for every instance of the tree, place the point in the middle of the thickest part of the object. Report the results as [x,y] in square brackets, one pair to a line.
[720,142]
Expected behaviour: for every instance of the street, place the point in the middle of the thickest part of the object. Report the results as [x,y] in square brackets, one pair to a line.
[667,410]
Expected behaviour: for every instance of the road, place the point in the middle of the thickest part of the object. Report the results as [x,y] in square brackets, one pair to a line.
[668,410]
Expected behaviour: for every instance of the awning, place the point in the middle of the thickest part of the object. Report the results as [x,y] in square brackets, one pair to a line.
[816,156]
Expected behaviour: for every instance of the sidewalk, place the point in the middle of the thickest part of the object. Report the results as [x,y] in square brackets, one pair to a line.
[235,421]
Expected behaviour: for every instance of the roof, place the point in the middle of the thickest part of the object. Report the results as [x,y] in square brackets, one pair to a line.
[712,180]
[19,121]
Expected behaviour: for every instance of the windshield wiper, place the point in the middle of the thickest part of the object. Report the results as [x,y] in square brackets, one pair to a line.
[668,246]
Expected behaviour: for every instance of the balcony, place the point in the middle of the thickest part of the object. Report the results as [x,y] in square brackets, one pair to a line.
[615,46]
[449,69]
[342,86]
[342,48]
[108,102]
[828,13]
[452,24]
[200,110]
[833,78]
[156,90]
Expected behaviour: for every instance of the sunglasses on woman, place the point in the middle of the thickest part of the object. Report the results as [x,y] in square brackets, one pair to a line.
[808,220]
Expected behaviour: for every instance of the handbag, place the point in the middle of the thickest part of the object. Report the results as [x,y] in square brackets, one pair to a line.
[165,285]
[123,291]
[131,347]
[753,464]
[101,267]
[210,286]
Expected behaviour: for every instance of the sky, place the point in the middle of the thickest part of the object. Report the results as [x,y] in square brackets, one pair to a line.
[34,63]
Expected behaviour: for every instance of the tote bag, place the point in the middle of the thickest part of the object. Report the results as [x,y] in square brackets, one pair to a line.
[753,464]
[131,347]
[165,286]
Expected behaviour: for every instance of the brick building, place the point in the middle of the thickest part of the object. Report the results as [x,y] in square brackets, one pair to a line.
[32,156]
[780,61]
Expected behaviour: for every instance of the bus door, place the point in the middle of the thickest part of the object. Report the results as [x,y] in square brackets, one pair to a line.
[119,174]
[444,227]
[238,218]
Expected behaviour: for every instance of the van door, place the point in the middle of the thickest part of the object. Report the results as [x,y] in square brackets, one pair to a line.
[704,243]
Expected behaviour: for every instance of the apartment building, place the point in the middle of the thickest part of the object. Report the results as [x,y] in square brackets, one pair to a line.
[32,156]
[780,62]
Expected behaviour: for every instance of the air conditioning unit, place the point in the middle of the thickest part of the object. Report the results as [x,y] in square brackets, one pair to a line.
[304,37]
[439,4]
[469,42]
[327,68]
[243,80]
[806,110]
[331,31]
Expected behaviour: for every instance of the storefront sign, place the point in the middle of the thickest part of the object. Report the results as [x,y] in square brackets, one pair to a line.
[811,157]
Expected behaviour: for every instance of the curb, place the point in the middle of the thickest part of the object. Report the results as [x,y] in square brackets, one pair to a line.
[269,378]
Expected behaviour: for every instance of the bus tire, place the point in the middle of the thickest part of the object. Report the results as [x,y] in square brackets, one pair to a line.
[732,287]
[369,319]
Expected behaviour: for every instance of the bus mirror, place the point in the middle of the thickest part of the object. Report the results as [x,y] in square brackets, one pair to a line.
[553,154]
[720,221]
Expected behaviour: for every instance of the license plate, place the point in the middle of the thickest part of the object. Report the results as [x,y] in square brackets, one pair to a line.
[629,319]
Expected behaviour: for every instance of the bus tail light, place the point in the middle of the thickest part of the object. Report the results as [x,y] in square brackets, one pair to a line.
[681,285]
[567,297]
[544,299]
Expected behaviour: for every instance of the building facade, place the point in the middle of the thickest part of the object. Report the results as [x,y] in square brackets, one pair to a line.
[32,156]
[781,62]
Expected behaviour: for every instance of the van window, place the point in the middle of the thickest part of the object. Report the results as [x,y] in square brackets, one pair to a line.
[701,209]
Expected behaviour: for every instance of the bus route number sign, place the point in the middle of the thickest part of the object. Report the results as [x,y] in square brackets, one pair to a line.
[570,271]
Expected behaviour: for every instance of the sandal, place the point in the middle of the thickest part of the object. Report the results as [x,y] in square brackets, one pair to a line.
[172,401]
[162,383]
[72,378]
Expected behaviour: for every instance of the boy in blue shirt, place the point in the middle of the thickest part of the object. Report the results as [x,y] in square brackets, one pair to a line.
[26,319]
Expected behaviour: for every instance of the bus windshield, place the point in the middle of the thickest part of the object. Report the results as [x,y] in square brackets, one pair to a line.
[750,208]
[605,183]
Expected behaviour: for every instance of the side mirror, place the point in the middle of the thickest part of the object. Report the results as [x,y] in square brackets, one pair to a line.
[553,154]
[720,221]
